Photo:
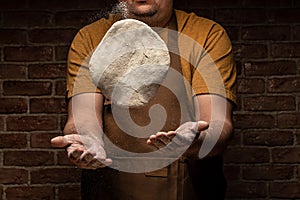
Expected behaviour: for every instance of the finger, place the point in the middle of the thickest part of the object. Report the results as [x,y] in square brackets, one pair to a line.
[163,138]
[87,161]
[75,146]
[149,142]
[157,143]
[74,153]
[86,158]
[93,164]
[100,154]
[63,141]
[107,162]
[202,125]
[171,134]
[150,139]
[59,141]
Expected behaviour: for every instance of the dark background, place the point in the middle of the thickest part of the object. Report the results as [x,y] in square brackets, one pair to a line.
[262,161]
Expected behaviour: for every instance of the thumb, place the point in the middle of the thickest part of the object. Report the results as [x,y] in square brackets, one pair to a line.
[63,141]
[202,125]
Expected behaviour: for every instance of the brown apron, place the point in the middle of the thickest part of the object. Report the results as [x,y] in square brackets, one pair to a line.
[172,182]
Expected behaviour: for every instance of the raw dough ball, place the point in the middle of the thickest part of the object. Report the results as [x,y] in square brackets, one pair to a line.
[130,63]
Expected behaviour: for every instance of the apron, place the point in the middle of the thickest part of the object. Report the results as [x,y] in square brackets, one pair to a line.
[172,182]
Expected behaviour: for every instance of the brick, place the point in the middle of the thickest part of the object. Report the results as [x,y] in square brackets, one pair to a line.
[13,36]
[286,155]
[268,172]
[32,123]
[250,86]
[53,5]
[27,88]
[236,138]
[47,71]
[61,53]
[285,50]
[28,158]
[53,175]
[60,88]
[212,3]
[104,12]
[289,120]
[266,3]
[233,32]
[298,139]
[270,103]
[246,121]
[41,140]
[63,160]
[298,103]
[34,193]
[54,36]
[91,4]
[238,63]
[268,138]
[246,155]
[180,4]
[13,105]
[280,3]
[247,190]
[232,172]
[63,121]
[11,71]
[13,176]
[69,192]
[285,190]
[271,68]
[74,18]
[1,123]
[13,140]
[284,15]
[296,33]
[12,4]
[23,54]
[245,16]
[47,105]
[250,51]
[27,19]
[266,33]
[284,85]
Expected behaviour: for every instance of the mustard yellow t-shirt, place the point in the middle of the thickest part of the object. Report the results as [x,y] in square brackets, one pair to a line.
[205,50]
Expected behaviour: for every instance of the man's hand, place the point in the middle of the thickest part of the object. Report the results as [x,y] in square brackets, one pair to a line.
[186,134]
[91,157]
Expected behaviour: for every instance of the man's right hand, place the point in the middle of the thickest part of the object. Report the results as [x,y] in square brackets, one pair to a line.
[88,158]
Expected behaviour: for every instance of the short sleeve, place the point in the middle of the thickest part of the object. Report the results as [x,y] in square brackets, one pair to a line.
[215,70]
[78,76]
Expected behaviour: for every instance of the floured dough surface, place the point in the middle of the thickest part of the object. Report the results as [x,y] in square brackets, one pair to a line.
[130,63]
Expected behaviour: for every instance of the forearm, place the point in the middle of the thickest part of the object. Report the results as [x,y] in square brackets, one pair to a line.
[84,110]
[85,116]
[83,132]
[217,111]
[212,141]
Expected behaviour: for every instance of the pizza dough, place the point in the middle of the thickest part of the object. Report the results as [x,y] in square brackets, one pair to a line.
[130,63]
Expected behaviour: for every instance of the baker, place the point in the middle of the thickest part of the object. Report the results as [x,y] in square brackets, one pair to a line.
[196,98]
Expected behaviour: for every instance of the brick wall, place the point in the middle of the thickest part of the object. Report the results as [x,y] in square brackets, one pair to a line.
[263,159]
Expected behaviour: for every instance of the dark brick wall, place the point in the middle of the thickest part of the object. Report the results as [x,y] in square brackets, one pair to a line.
[262,161]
